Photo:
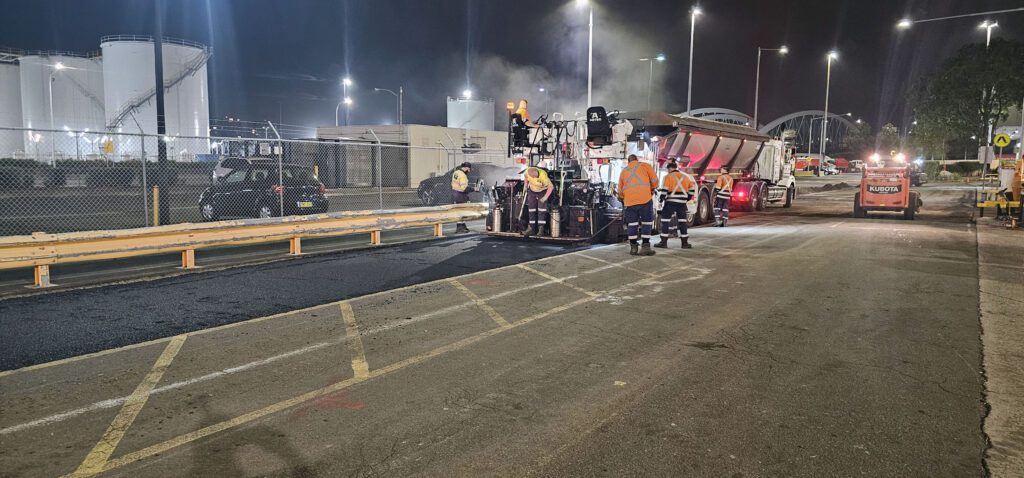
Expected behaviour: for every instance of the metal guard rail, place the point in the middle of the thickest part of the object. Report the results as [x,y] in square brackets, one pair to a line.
[40,250]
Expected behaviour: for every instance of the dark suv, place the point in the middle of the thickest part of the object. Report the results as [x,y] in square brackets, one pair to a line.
[251,188]
[437,190]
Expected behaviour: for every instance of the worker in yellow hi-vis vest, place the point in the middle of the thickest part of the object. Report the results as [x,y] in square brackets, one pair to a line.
[461,190]
[538,190]
[723,194]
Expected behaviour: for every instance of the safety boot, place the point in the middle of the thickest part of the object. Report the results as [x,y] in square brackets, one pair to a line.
[461,229]
[634,249]
[645,249]
[528,232]
[663,244]
[685,243]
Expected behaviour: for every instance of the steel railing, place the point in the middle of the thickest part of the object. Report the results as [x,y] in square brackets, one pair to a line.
[41,250]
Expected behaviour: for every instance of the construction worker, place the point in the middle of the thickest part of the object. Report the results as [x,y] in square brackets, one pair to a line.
[524,112]
[461,190]
[637,183]
[723,193]
[538,190]
[676,189]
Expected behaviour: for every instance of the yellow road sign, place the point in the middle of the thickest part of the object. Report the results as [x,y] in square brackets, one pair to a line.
[1001,140]
[108,147]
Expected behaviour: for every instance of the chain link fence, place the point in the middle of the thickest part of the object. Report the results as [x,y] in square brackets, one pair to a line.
[64,181]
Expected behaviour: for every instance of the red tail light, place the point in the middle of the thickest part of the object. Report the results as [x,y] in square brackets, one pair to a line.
[277,188]
[741,194]
[323,188]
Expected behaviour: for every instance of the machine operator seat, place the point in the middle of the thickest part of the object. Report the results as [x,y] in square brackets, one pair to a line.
[520,132]
[599,128]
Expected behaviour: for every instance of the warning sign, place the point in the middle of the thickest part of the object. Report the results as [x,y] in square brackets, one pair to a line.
[108,147]
[1001,140]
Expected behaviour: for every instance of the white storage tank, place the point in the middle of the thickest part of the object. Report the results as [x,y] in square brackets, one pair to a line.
[10,110]
[77,95]
[468,113]
[128,71]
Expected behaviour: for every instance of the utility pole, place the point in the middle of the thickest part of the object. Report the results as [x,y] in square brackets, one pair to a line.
[161,125]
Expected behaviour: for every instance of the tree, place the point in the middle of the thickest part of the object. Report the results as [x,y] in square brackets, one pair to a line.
[972,89]
[887,140]
[859,140]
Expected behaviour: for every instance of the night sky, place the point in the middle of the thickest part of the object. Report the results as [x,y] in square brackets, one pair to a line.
[282,60]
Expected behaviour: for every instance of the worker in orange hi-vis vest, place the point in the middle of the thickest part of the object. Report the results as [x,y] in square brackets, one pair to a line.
[676,189]
[723,193]
[637,183]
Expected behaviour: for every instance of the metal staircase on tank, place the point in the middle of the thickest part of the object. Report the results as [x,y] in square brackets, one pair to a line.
[190,69]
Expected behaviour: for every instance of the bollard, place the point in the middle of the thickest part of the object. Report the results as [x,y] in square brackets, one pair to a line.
[188,259]
[156,205]
[42,276]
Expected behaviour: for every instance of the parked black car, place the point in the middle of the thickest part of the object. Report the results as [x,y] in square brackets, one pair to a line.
[251,188]
[437,190]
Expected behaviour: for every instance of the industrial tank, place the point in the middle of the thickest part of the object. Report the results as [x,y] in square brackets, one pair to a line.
[10,110]
[128,72]
[77,101]
[471,114]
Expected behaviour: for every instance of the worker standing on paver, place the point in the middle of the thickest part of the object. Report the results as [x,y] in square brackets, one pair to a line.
[723,193]
[676,189]
[637,183]
[538,190]
[461,190]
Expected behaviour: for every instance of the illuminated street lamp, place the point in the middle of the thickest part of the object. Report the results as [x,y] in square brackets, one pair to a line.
[590,51]
[832,55]
[345,99]
[757,79]
[988,26]
[53,146]
[467,93]
[694,13]
[650,80]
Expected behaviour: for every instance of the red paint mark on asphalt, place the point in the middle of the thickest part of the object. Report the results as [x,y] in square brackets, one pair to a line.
[335,401]
[478,281]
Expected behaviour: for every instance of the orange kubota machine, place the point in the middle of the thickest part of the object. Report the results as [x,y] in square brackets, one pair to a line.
[886,189]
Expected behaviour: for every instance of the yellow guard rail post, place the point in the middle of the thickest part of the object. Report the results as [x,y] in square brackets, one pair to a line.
[40,250]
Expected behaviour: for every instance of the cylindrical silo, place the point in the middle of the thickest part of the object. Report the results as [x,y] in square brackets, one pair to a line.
[69,86]
[130,93]
[10,110]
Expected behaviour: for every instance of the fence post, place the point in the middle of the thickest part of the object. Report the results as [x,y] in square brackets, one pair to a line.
[145,184]
[156,205]
[42,276]
[380,173]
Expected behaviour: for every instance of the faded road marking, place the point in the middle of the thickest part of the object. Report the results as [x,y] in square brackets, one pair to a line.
[613,264]
[480,303]
[97,458]
[552,278]
[360,368]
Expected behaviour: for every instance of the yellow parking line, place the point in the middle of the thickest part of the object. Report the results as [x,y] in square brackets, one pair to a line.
[291,402]
[360,367]
[560,281]
[638,271]
[480,303]
[285,404]
[97,459]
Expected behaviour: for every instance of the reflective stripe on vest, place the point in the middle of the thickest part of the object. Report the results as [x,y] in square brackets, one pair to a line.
[633,175]
[677,194]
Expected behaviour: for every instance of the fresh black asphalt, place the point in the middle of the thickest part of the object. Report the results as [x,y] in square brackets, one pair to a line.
[42,328]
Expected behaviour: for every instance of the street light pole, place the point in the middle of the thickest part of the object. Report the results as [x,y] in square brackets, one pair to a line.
[398,96]
[988,26]
[757,79]
[832,55]
[689,80]
[345,82]
[590,61]
[650,79]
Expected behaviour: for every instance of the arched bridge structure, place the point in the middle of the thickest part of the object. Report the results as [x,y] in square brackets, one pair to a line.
[807,125]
